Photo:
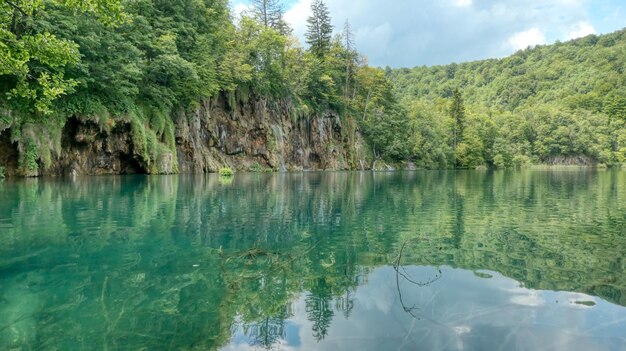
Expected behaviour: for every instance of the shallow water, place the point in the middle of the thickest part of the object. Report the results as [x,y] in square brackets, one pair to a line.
[463,260]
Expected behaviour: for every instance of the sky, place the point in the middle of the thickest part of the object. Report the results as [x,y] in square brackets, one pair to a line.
[408,33]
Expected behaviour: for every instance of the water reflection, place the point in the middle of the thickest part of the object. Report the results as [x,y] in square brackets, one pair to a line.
[482,259]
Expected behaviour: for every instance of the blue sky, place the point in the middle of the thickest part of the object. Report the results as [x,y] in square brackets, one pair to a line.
[407,33]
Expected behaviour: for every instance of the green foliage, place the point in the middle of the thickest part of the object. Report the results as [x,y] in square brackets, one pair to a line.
[148,60]
[28,159]
[2,175]
[226,172]
[430,139]
[256,168]
[383,120]
[33,59]
[457,113]
[319,30]
[557,103]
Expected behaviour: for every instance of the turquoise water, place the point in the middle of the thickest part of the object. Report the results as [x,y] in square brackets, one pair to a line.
[466,260]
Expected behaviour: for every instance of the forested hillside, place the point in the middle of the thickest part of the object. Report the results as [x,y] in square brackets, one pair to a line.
[561,103]
[145,65]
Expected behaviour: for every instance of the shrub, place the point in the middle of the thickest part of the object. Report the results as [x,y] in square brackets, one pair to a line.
[1,173]
[28,159]
[256,167]
[226,172]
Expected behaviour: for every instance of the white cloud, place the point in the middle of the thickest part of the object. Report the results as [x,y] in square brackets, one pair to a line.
[530,37]
[420,32]
[582,29]
[239,8]
[463,3]
[297,15]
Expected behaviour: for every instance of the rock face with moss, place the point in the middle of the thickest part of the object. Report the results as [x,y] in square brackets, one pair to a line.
[255,135]
[263,134]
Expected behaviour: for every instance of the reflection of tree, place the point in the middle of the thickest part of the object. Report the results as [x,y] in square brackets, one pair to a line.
[268,332]
[318,308]
[345,303]
[459,216]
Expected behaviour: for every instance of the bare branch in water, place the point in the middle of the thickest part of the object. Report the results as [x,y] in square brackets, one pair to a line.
[404,274]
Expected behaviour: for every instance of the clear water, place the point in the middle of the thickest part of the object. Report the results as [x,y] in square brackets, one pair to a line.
[468,260]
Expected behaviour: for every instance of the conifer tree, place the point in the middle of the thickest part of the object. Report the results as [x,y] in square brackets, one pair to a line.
[319,29]
[351,55]
[269,13]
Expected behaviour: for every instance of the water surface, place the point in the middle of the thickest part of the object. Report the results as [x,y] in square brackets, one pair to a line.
[464,260]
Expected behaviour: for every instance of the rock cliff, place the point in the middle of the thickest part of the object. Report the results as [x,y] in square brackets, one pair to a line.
[252,136]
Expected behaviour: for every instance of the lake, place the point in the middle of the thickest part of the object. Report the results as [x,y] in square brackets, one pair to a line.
[449,260]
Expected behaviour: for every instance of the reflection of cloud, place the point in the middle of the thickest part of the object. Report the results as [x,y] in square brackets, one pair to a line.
[528,298]
[279,346]
[462,329]
[463,311]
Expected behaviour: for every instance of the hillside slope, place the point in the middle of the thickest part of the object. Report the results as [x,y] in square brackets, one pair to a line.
[561,103]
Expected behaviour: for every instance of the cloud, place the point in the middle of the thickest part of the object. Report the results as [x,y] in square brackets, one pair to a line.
[582,29]
[297,15]
[484,314]
[531,37]
[407,33]
[239,8]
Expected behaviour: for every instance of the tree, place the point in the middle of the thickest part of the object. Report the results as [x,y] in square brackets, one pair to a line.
[384,122]
[33,59]
[319,30]
[351,55]
[270,14]
[457,113]
[264,48]
[615,106]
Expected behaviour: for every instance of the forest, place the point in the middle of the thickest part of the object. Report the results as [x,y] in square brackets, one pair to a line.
[143,61]
[554,104]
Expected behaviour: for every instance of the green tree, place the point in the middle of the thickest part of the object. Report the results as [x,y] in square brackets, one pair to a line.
[457,113]
[430,136]
[350,57]
[615,106]
[319,29]
[384,121]
[32,59]
[265,50]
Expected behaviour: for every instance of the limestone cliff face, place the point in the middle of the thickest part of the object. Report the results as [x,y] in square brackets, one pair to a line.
[262,133]
[257,135]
